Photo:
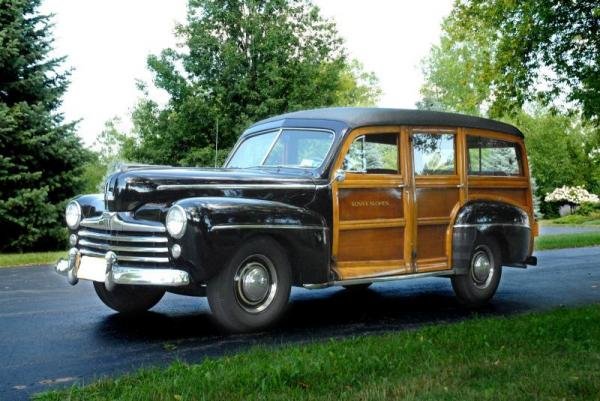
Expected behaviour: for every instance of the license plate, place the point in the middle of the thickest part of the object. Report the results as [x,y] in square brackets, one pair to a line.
[91,268]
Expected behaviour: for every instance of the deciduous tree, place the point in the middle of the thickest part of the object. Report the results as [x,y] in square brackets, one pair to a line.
[240,61]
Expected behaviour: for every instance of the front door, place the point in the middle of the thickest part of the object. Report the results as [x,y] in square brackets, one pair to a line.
[369,207]
[438,192]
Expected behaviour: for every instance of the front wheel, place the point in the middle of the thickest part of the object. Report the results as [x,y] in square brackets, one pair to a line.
[252,291]
[479,285]
[129,298]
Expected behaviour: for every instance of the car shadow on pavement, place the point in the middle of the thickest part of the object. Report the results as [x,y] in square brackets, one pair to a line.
[311,315]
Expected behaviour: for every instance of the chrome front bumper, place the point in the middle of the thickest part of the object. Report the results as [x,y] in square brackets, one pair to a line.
[116,274]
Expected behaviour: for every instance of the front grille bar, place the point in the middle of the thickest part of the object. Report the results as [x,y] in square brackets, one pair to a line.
[111,221]
[131,241]
[109,247]
[121,238]
[141,259]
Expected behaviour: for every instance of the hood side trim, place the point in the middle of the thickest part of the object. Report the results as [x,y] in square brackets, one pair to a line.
[235,186]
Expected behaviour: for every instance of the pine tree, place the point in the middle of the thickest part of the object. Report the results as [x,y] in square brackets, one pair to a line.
[40,155]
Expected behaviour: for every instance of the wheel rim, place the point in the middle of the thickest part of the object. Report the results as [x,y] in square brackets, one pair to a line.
[482,269]
[255,283]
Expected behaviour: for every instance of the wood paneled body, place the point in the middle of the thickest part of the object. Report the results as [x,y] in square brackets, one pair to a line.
[370,203]
[434,208]
[402,223]
[437,197]
[370,213]
[510,189]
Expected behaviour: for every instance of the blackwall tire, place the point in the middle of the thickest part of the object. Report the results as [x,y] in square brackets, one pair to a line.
[477,287]
[252,291]
[129,299]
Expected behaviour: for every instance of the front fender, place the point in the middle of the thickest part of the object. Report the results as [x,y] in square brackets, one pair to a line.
[504,223]
[218,226]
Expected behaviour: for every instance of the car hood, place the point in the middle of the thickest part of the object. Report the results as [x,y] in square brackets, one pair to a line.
[129,190]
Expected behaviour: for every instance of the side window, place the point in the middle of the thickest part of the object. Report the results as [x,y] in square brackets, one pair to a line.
[493,157]
[433,153]
[373,154]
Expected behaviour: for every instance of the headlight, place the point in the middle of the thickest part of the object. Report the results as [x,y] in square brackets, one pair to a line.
[176,221]
[73,215]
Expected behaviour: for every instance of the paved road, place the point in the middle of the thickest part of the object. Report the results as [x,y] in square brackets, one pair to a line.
[52,334]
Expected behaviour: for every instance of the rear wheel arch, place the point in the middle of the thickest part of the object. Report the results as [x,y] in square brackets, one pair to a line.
[469,228]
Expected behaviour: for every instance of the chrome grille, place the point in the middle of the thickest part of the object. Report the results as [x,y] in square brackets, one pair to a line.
[132,242]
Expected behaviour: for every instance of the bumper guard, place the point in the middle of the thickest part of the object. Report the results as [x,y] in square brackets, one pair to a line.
[116,274]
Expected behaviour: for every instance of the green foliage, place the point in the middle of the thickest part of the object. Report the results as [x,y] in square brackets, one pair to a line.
[94,174]
[578,220]
[240,61]
[498,54]
[40,156]
[489,61]
[587,214]
[588,209]
[559,148]
[475,360]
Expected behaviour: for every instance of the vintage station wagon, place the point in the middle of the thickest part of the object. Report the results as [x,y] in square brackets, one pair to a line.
[318,198]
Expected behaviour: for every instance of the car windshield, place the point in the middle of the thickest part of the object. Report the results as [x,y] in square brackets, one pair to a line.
[300,148]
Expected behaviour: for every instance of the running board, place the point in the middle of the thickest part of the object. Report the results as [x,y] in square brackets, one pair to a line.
[380,279]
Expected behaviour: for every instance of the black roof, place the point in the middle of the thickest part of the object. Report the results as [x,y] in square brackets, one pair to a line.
[355,117]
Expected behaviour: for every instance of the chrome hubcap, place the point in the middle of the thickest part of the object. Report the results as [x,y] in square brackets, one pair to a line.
[255,283]
[482,269]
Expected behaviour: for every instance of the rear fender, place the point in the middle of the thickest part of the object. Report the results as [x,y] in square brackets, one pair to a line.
[502,222]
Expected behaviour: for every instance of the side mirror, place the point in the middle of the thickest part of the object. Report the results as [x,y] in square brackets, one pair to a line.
[340,175]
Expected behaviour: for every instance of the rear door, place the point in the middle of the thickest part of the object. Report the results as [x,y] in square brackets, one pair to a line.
[438,192]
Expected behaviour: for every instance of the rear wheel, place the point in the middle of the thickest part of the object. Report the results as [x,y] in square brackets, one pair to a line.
[252,291]
[479,284]
[129,298]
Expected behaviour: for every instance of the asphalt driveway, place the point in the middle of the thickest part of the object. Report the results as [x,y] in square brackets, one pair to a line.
[52,334]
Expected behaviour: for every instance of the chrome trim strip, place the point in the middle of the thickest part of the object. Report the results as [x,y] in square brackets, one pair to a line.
[378,279]
[141,259]
[267,226]
[110,221]
[140,276]
[491,224]
[121,238]
[235,186]
[91,253]
[109,247]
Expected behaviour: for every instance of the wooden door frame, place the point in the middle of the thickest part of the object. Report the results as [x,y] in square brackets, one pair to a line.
[354,180]
[457,180]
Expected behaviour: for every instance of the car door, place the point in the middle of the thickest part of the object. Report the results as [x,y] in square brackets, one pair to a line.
[369,207]
[438,192]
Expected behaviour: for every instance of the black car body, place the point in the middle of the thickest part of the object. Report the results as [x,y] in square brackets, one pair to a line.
[296,209]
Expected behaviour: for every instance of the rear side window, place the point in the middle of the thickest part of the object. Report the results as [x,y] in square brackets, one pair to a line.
[433,154]
[493,157]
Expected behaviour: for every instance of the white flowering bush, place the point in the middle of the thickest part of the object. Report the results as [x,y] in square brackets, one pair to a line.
[573,195]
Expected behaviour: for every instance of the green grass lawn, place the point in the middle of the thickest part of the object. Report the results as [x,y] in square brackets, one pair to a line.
[28,259]
[575,219]
[550,356]
[576,240]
